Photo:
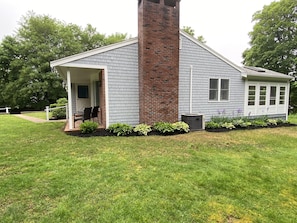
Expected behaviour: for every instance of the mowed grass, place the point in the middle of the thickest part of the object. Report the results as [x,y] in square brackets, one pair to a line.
[37,114]
[238,176]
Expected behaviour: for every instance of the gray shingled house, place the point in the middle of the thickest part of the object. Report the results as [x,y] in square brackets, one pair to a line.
[165,73]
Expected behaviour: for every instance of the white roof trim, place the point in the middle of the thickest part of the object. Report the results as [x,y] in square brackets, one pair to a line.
[258,72]
[69,59]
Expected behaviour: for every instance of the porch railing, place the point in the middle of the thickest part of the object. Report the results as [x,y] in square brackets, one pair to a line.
[48,110]
[6,109]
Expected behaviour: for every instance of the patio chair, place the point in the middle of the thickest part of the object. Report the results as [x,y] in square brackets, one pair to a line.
[86,115]
[95,113]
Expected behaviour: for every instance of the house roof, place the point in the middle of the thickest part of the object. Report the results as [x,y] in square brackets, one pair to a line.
[253,73]
[259,73]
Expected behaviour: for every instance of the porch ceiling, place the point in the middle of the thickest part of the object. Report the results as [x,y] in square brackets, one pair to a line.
[79,75]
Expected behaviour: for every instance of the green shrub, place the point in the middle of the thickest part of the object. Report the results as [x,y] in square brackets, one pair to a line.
[142,129]
[62,101]
[59,113]
[245,124]
[228,125]
[271,121]
[88,127]
[181,126]
[212,125]
[163,127]
[259,123]
[120,129]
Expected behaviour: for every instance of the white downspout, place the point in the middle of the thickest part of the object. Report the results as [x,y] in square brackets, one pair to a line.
[191,89]
[69,90]
[287,100]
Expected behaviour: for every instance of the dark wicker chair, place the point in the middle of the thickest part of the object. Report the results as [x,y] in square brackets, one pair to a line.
[85,116]
[95,113]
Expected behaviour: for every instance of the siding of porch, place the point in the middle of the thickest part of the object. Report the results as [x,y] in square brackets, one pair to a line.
[205,66]
[122,68]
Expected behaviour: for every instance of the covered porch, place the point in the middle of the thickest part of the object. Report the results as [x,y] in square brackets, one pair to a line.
[86,88]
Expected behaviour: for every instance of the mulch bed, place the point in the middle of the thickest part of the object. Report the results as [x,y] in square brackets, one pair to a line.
[104,132]
[250,127]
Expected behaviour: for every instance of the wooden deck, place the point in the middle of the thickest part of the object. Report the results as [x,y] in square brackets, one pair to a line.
[77,124]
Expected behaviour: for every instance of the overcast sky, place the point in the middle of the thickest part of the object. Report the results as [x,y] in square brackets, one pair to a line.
[223,24]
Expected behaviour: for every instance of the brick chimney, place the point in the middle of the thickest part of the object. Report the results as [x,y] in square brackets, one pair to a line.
[158,37]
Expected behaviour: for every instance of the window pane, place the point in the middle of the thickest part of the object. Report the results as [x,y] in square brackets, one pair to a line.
[252,95]
[83,91]
[224,95]
[213,95]
[262,99]
[213,84]
[213,89]
[272,95]
[224,84]
[282,95]
[224,89]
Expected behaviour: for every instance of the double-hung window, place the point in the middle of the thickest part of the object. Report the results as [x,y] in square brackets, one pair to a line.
[282,95]
[218,89]
[273,95]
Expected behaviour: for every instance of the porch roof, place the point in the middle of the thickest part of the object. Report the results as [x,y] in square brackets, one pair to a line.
[76,69]
[258,73]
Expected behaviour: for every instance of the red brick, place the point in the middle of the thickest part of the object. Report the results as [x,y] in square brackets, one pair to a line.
[158,33]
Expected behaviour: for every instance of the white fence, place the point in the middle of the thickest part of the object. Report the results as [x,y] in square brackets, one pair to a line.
[6,109]
[48,110]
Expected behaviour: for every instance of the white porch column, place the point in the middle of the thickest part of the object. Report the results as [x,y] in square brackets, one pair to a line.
[69,90]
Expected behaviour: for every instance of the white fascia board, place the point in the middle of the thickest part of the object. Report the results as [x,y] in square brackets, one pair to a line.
[99,50]
[89,66]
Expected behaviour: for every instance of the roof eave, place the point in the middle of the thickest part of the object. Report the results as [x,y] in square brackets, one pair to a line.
[79,56]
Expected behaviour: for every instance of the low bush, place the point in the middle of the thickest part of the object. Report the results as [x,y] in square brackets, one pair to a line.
[59,113]
[164,127]
[181,127]
[228,125]
[88,127]
[142,129]
[242,122]
[212,125]
[120,129]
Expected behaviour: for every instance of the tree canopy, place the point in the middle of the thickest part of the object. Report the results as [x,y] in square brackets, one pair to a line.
[274,40]
[26,79]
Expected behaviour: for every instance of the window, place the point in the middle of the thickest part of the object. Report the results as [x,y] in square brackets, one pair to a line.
[155,1]
[83,91]
[282,95]
[262,97]
[171,3]
[252,95]
[272,95]
[224,90]
[213,90]
[218,89]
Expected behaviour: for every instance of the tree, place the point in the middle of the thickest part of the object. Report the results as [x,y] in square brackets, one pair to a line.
[273,40]
[191,32]
[26,79]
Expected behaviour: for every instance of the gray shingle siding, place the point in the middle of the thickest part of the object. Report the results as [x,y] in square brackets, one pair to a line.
[122,68]
[206,66]
[123,90]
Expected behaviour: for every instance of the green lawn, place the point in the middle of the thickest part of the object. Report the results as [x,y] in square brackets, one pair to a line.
[238,176]
[37,114]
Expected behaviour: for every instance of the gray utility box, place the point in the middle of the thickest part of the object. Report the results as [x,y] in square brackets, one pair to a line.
[195,121]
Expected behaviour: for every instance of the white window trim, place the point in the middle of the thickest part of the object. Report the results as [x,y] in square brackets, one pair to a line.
[219,90]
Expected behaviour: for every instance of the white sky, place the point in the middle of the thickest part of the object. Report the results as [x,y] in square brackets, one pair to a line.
[224,24]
